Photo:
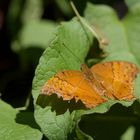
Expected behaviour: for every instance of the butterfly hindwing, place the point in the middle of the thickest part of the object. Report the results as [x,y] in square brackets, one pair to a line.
[117,78]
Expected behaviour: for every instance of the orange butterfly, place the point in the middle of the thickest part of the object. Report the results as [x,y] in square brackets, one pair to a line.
[93,86]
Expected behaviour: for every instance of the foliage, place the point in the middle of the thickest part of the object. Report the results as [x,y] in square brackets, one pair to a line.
[66,46]
[10,128]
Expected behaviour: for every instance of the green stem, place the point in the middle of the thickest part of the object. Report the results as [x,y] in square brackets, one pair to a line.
[102,41]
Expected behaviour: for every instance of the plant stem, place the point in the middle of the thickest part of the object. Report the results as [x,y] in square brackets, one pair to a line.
[102,41]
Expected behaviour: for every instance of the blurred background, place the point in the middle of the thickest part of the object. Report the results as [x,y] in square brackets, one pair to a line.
[26,28]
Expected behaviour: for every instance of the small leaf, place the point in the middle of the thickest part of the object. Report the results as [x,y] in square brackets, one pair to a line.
[129,134]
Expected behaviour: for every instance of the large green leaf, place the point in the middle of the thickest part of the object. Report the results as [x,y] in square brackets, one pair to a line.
[9,129]
[123,35]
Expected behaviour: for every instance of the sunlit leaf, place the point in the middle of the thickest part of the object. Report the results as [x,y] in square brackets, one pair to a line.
[122,34]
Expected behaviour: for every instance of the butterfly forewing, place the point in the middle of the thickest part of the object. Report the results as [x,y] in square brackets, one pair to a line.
[73,84]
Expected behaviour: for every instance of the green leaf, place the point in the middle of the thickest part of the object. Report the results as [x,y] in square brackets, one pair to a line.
[131,2]
[55,127]
[32,11]
[131,27]
[35,34]
[129,134]
[123,35]
[21,12]
[10,129]
[26,118]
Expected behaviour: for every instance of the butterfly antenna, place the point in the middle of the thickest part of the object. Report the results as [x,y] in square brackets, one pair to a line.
[102,41]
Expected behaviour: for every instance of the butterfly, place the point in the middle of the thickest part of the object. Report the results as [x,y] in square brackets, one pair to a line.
[95,85]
